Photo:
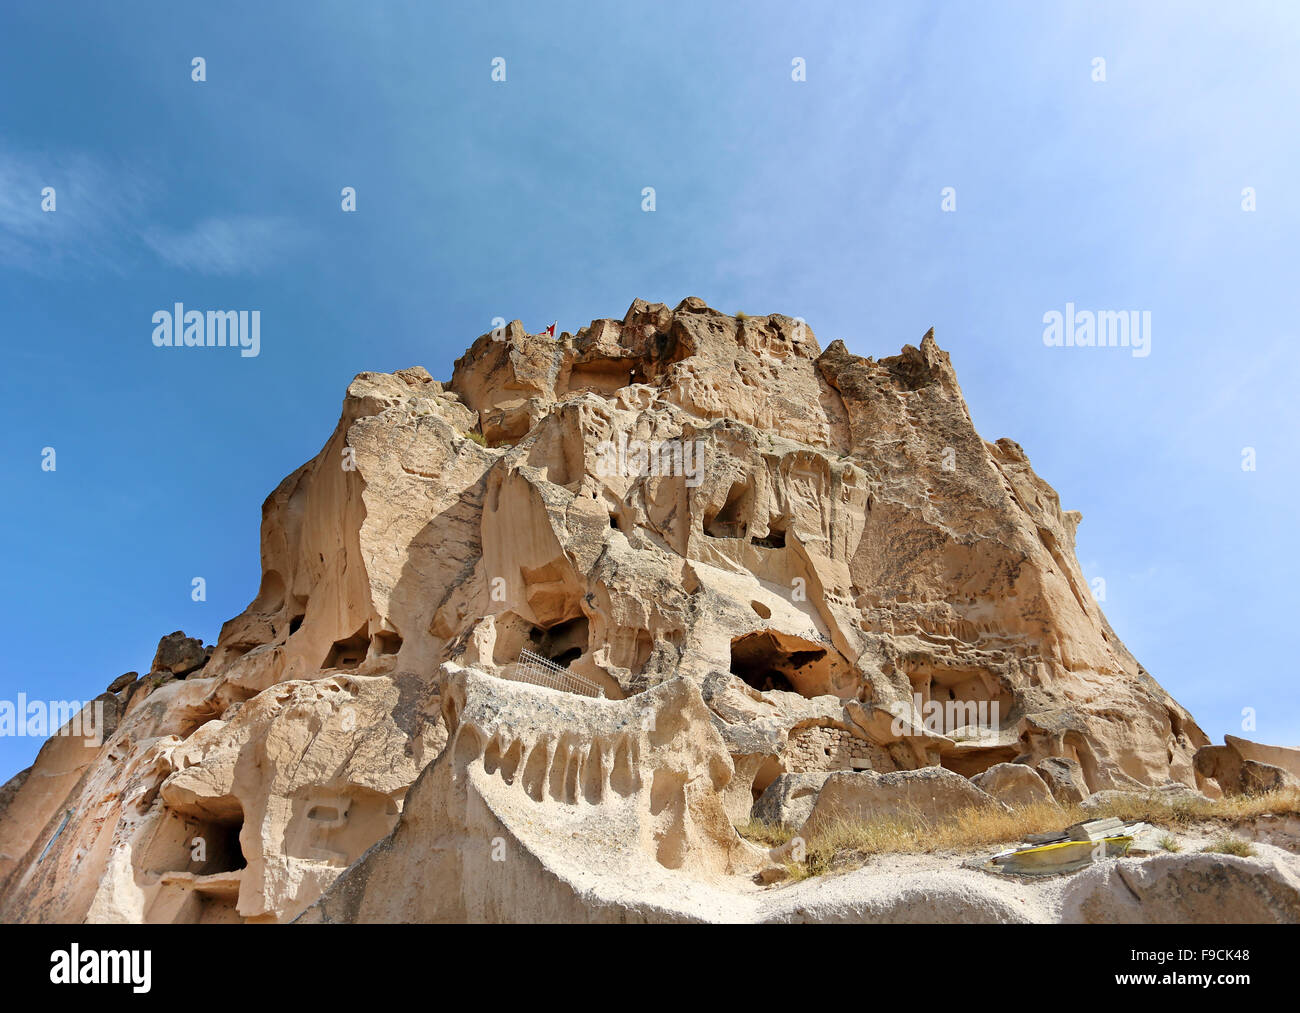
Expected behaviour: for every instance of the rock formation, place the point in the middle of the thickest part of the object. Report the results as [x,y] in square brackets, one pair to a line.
[589,810]
[1015,784]
[1242,767]
[767,558]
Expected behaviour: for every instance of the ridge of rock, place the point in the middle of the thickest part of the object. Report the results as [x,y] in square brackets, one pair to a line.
[799,560]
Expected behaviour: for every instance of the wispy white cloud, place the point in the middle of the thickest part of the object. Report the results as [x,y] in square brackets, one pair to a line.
[241,244]
[94,207]
[100,222]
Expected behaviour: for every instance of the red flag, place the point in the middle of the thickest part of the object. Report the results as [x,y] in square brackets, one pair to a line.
[551,330]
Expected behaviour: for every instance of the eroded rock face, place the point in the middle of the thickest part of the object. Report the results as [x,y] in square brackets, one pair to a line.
[1014,784]
[178,654]
[1283,757]
[551,805]
[820,546]
[789,800]
[1064,777]
[1242,767]
[1217,889]
[927,794]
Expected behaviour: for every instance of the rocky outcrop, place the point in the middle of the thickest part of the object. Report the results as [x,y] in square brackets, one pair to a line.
[1173,794]
[685,493]
[1242,767]
[551,806]
[789,800]
[36,804]
[925,795]
[1064,777]
[811,558]
[1210,889]
[1014,784]
[1283,757]
[179,655]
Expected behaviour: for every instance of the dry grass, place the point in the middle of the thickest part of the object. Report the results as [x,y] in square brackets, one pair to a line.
[772,835]
[1226,844]
[1176,812]
[1170,843]
[477,438]
[842,844]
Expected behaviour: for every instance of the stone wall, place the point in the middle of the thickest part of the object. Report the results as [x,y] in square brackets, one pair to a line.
[822,747]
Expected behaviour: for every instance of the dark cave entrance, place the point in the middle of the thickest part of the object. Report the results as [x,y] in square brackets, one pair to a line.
[768,660]
[564,643]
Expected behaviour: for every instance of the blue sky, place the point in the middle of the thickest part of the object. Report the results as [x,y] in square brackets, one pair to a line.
[522,199]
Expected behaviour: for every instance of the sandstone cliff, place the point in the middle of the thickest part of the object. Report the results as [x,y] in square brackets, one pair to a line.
[793,560]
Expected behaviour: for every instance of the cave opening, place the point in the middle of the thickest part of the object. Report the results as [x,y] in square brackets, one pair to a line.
[349,653]
[388,642]
[297,613]
[729,521]
[225,853]
[563,643]
[768,660]
[775,537]
[200,840]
